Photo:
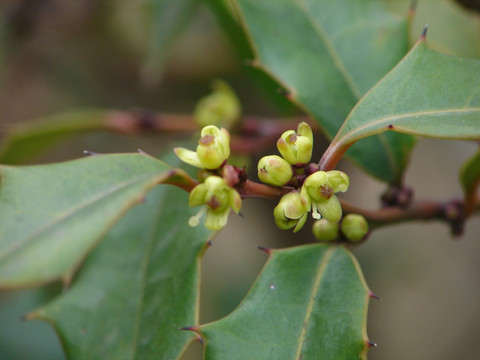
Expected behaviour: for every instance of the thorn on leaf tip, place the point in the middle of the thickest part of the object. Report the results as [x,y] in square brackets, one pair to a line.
[373,296]
[424,32]
[264,249]
[371,344]
[285,93]
[251,62]
[190,328]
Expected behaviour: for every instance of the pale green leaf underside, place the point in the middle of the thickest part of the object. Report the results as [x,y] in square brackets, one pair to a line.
[428,94]
[309,302]
[327,55]
[137,288]
[53,215]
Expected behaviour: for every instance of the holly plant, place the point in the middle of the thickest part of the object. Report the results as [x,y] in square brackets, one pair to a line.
[125,232]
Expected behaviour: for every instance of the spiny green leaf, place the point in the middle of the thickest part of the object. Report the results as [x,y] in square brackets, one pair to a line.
[470,180]
[53,215]
[137,288]
[327,55]
[427,93]
[309,302]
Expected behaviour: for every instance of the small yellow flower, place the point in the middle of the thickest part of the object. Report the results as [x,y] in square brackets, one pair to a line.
[296,147]
[318,194]
[217,199]
[212,151]
[289,212]
[221,107]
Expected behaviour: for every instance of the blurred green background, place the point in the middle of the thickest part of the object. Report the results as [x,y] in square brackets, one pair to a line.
[56,55]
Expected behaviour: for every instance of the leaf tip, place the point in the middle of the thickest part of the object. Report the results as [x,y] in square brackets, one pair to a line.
[251,62]
[370,344]
[90,153]
[67,280]
[193,328]
[390,126]
[374,296]
[286,93]
[424,33]
[265,249]
[28,316]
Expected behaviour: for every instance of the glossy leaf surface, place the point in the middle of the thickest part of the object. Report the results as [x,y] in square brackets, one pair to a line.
[137,288]
[428,94]
[309,302]
[53,215]
[326,56]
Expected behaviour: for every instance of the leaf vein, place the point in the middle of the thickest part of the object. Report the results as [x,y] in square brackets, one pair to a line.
[21,243]
[321,270]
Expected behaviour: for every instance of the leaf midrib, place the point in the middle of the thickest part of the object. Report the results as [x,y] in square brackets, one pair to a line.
[318,279]
[336,58]
[21,243]
[144,268]
[352,136]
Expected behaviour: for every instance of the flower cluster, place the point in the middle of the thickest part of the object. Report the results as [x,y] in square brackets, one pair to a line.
[315,192]
[312,190]
[296,150]
[215,196]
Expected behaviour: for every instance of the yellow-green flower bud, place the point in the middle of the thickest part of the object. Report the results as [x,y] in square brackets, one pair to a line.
[221,107]
[296,147]
[325,230]
[217,199]
[212,151]
[274,170]
[318,187]
[289,212]
[354,227]
[338,180]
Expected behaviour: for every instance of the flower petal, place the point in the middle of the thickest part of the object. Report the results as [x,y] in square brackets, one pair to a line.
[188,156]
[300,223]
[235,201]
[330,209]
[216,221]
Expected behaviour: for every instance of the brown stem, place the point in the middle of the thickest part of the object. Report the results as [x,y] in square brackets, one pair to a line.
[424,210]
[134,122]
[254,133]
[251,189]
[331,156]
[453,212]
